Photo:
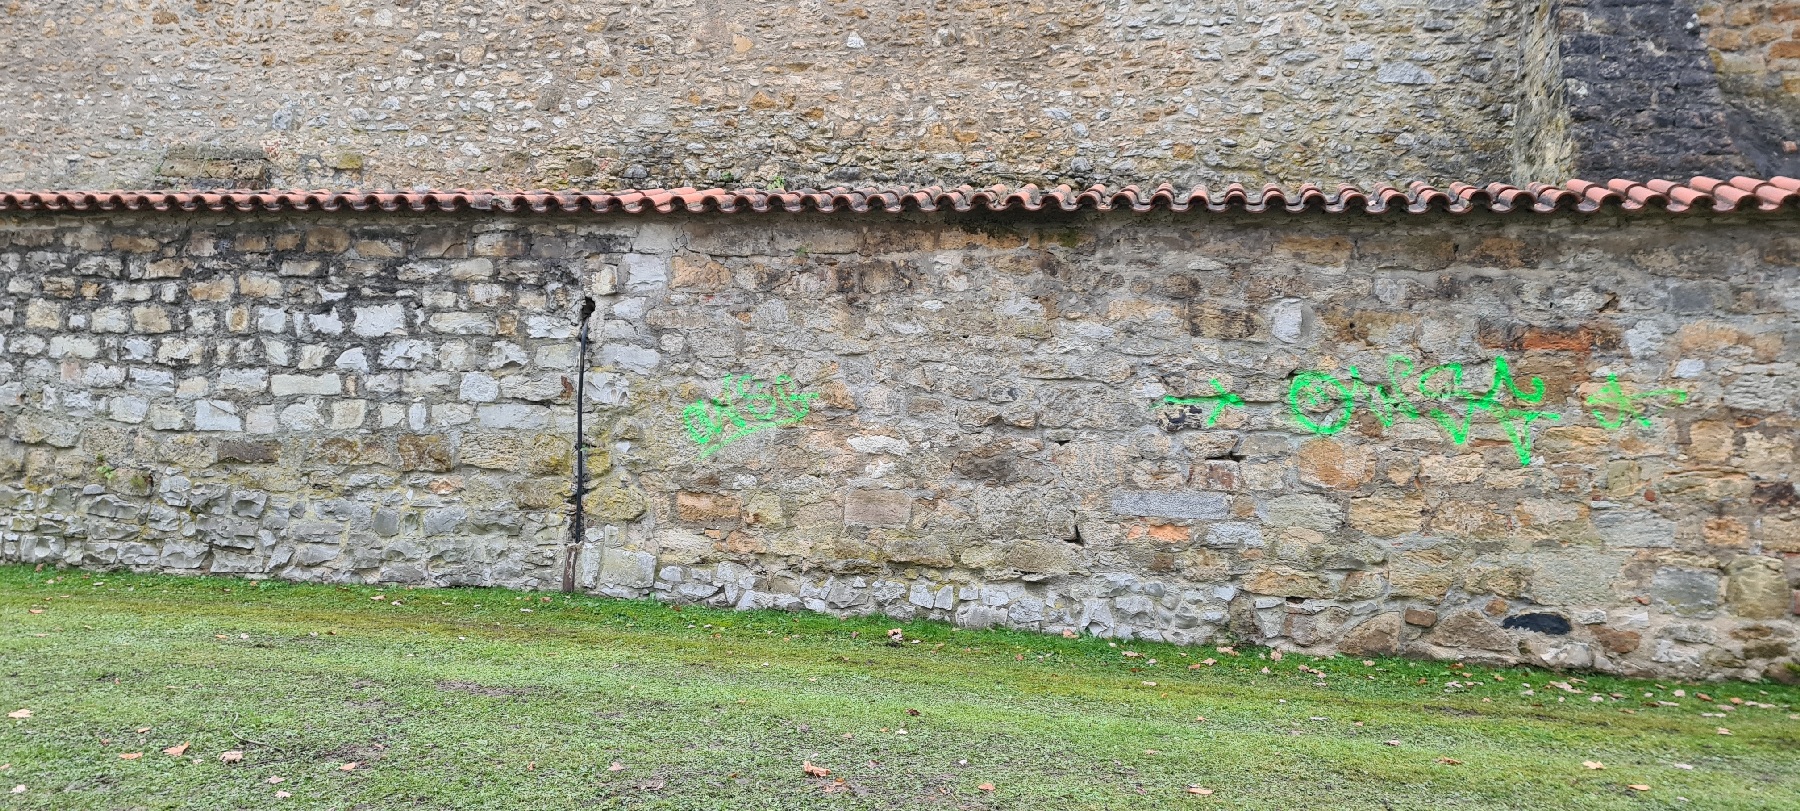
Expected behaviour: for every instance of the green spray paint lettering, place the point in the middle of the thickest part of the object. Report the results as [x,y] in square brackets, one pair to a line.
[745,405]
[1323,404]
[1215,404]
[1625,407]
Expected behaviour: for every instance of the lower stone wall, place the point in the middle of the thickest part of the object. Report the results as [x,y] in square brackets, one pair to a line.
[1566,440]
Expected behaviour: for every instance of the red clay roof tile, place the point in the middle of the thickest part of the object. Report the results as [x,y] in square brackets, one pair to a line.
[1699,193]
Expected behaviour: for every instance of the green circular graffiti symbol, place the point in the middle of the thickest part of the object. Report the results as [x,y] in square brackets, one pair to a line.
[1313,391]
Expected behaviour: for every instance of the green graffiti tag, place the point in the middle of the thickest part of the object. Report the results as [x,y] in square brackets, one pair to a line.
[1625,407]
[744,406]
[1323,404]
[1214,404]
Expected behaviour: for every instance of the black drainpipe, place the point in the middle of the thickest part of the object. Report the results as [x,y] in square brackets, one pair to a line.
[578,526]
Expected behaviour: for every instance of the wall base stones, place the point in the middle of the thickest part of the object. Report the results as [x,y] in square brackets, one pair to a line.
[1566,441]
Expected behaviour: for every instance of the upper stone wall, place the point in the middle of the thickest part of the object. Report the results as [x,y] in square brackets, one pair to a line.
[599,94]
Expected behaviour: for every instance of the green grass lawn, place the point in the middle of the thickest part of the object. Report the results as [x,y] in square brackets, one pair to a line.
[485,698]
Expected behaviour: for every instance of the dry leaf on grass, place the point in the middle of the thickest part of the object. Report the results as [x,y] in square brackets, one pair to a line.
[282,795]
[1200,791]
[814,771]
[1449,761]
[1593,764]
[1638,787]
[1392,743]
[615,766]
[275,780]
[130,755]
[177,750]
[20,713]
[1724,731]
[986,787]
[18,789]
[233,756]
[348,767]
[142,730]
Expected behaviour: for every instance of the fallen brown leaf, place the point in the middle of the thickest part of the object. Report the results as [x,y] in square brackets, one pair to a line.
[986,787]
[1724,731]
[130,755]
[142,730]
[21,713]
[1275,655]
[1449,761]
[282,795]
[814,771]
[233,756]
[348,767]
[276,780]
[177,750]
[615,766]
[1593,764]
[35,610]
[1392,743]
[1200,791]
[1638,787]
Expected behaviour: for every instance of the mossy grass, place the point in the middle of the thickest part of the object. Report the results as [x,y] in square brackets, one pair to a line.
[489,698]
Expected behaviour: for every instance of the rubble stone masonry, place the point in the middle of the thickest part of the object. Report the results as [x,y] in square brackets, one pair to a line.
[1562,439]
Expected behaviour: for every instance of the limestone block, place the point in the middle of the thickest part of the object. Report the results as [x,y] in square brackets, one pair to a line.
[1685,592]
[1184,505]
[378,321]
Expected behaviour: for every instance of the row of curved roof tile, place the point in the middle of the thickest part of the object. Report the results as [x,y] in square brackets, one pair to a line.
[1697,194]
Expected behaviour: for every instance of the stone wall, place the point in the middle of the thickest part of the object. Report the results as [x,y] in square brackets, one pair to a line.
[1547,438]
[534,93]
[1755,48]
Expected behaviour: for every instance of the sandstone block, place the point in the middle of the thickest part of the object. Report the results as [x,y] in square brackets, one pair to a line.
[1469,629]
[1388,516]
[1757,588]
[708,508]
[1422,617]
[426,452]
[1377,636]
[1616,641]
[1040,557]
[1279,581]
[1334,464]
[877,508]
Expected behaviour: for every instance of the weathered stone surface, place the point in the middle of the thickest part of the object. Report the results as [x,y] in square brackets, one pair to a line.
[1422,617]
[1378,635]
[877,508]
[913,416]
[1184,505]
[1757,588]
[1393,64]
[1469,629]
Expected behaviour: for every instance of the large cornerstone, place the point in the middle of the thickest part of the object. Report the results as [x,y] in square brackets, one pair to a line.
[1565,439]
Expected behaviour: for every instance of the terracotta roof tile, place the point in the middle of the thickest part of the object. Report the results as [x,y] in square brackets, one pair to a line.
[1699,193]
